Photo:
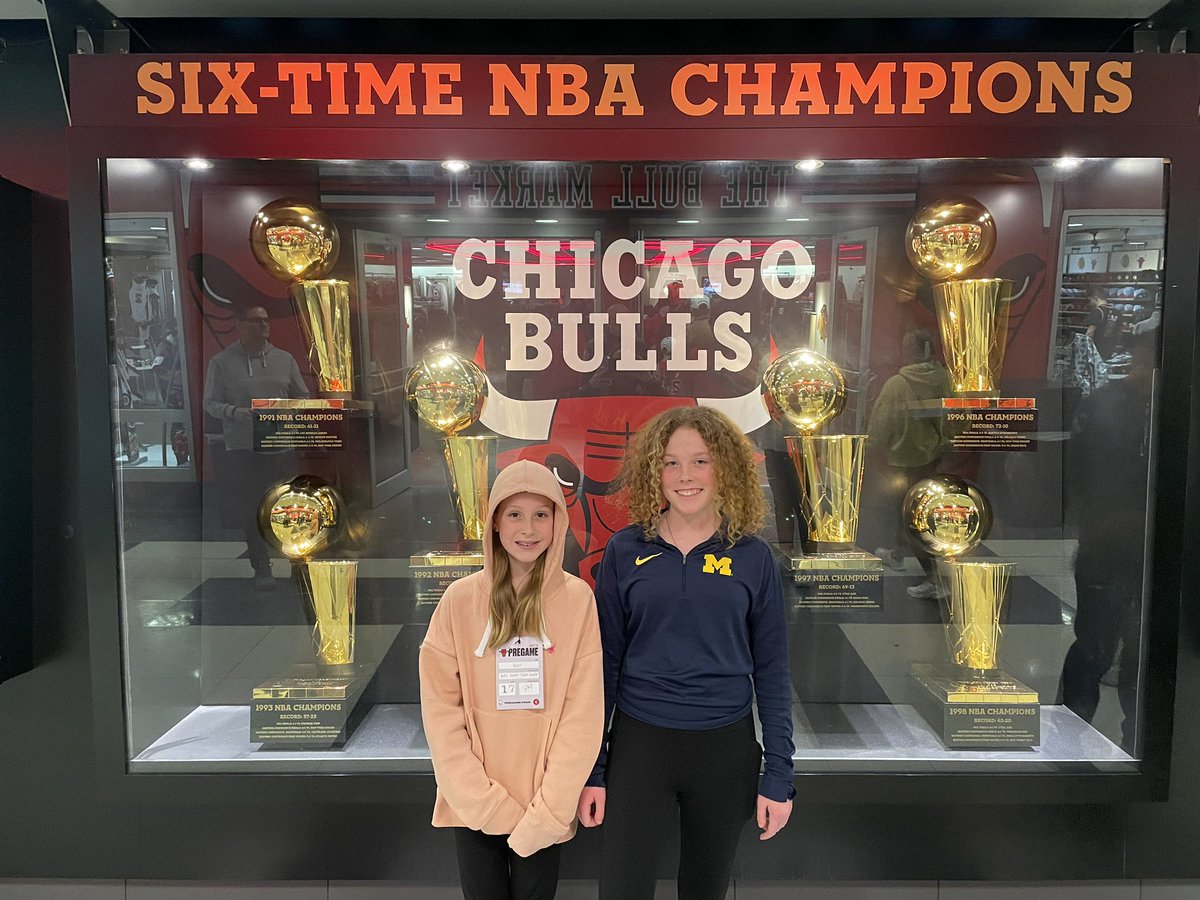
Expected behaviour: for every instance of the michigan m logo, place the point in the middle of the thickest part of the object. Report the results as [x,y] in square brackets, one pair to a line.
[722,566]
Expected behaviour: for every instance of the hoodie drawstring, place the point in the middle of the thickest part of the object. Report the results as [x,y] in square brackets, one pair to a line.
[262,359]
[487,636]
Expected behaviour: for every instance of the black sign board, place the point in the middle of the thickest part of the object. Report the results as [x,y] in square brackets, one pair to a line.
[300,425]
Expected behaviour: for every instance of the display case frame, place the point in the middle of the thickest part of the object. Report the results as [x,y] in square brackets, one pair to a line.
[94,141]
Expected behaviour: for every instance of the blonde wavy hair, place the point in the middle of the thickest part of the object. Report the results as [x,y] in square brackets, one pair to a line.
[514,613]
[740,500]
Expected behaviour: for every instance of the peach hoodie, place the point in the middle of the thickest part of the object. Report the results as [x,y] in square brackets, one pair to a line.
[515,772]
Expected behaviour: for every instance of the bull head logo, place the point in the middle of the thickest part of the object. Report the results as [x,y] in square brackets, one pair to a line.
[582,440]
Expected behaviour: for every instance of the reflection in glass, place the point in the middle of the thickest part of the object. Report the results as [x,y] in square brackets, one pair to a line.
[597,295]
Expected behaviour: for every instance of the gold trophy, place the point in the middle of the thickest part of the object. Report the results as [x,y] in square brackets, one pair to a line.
[333,582]
[804,390]
[303,517]
[298,244]
[447,390]
[972,702]
[312,706]
[946,242]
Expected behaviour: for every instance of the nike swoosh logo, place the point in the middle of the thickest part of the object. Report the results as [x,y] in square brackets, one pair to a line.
[645,559]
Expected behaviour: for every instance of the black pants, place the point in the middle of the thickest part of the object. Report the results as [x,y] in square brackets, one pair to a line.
[711,777]
[881,521]
[247,477]
[489,870]
[785,488]
[1108,617]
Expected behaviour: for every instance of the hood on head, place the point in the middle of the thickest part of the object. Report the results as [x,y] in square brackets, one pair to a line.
[926,378]
[517,478]
[521,477]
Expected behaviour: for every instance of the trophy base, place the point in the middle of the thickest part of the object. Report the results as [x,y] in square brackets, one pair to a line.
[977,710]
[845,579]
[830,557]
[312,707]
[991,395]
[436,570]
[440,559]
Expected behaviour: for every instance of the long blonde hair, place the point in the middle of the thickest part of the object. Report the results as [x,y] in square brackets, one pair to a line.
[514,613]
[739,497]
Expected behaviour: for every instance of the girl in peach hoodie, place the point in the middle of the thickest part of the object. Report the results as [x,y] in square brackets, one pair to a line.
[512,695]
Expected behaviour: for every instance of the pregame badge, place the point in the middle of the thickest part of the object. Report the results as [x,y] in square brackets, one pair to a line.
[519,674]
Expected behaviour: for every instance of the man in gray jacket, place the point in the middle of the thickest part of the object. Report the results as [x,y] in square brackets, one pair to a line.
[251,368]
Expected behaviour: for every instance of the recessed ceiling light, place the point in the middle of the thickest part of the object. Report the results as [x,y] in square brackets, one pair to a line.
[546,221]
[687,221]
[455,165]
[437,221]
[798,219]
[198,164]
[809,165]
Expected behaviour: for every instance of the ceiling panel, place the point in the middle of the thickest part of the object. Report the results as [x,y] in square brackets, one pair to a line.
[21,9]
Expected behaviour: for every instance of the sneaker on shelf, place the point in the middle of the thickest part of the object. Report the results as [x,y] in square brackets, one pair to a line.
[926,590]
[891,559]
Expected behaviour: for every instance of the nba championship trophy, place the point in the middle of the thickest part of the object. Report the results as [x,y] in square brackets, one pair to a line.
[803,391]
[970,703]
[946,242]
[312,706]
[298,244]
[447,391]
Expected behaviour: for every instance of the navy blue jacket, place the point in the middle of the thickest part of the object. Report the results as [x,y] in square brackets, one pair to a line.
[690,641]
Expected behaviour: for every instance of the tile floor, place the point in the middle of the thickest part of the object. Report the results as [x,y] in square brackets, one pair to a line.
[45,889]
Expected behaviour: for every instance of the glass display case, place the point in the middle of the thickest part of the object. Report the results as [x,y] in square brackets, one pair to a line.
[286,526]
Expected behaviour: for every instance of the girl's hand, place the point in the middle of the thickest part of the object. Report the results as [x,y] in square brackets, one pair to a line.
[772,816]
[591,806]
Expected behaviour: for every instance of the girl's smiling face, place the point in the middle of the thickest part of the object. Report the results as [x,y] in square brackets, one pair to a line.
[525,523]
[689,480]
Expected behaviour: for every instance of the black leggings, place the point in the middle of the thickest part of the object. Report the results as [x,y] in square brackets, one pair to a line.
[710,776]
[489,870]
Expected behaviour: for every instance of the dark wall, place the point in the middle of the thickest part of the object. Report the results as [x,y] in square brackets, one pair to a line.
[33,151]
[16,536]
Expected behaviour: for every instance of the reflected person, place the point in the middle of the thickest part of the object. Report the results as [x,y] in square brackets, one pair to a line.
[250,368]
[907,439]
[1107,462]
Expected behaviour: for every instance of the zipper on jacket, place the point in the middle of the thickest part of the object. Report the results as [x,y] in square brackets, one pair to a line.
[683,568]
[683,579]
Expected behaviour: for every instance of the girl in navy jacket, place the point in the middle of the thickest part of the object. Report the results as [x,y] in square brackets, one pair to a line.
[694,631]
